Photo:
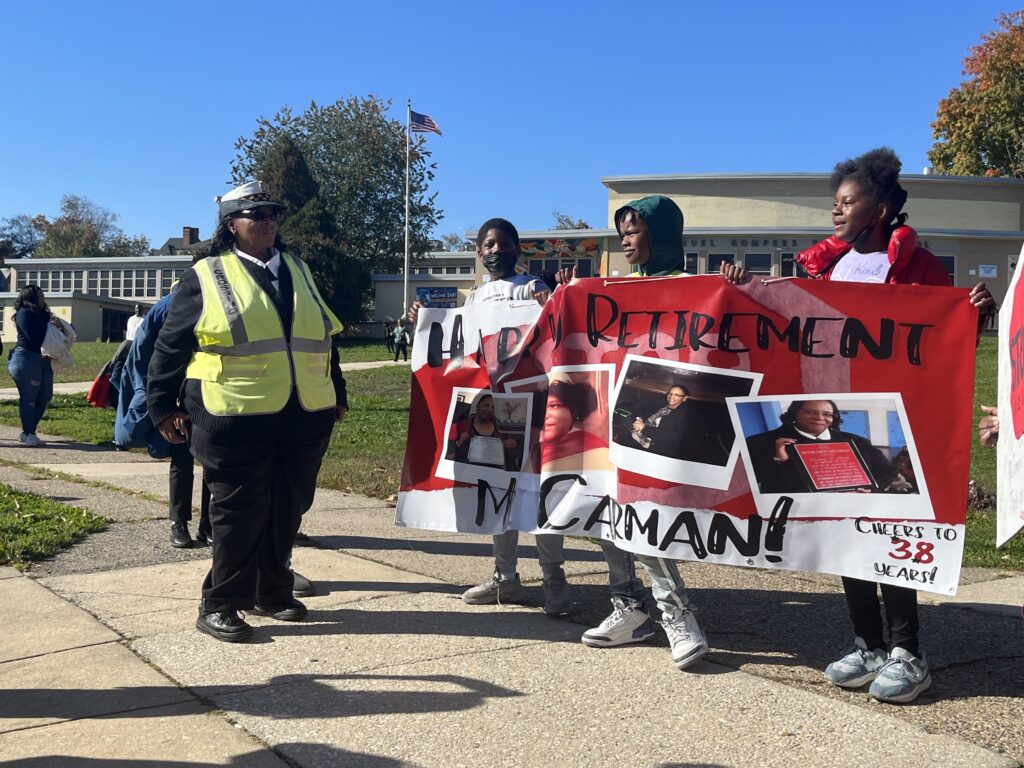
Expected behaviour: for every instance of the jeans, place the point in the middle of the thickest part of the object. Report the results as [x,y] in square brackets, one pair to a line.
[667,585]
[549,553]
[34,376]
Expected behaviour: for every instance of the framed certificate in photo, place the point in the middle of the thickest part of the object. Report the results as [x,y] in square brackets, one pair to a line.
[486,450]
[831,466]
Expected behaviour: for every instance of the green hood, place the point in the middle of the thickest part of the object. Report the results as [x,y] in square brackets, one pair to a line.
[665,224]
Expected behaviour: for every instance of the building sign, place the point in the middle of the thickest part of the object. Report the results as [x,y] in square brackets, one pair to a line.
[443,298]
[988,271]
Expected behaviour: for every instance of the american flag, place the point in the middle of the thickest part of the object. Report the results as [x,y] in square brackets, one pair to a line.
[423,123]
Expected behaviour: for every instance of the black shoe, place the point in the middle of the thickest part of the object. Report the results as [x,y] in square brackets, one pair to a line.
[292,610]
[302,587]
[224,625]
[205,534]
[179,536]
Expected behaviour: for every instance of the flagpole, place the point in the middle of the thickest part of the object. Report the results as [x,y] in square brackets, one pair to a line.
[405,272]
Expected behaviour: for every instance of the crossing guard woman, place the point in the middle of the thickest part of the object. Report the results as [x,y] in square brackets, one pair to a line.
[245,360]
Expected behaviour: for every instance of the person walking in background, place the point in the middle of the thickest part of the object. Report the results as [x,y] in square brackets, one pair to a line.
[132,427]
[401,339]
[31,371]
[247,345]
[389,337]
[134,323]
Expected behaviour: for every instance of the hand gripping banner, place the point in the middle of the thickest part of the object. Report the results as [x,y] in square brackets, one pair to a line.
[782,424]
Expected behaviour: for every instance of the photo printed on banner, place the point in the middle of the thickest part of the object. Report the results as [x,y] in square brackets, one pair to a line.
[670,420]
[487,437]
[836,455]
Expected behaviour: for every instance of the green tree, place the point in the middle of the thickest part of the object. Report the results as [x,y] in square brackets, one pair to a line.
[311,232]
[979,129]
[565,221]
[356,155]
[20,235]
[87,231]
[453,241]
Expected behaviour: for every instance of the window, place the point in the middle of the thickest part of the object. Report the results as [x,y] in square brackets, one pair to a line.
[66,282]
[465,270]
[77,281]
[790,268]
[450,270]
[715,261]
[94,281]
[151,282]
[115,282]
[949,262]
[758,263]
[436,270]
[585,268]
[692,263]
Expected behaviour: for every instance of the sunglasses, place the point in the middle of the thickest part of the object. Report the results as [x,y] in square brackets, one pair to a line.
[260,214]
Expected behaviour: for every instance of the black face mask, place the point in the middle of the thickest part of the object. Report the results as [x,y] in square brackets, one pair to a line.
[501,265]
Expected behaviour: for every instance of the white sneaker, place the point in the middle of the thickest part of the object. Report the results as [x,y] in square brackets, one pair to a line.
[858,667]
[902,678]
[686,638]
[626,624]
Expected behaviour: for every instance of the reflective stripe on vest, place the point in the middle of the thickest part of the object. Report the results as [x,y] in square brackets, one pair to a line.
[244,362]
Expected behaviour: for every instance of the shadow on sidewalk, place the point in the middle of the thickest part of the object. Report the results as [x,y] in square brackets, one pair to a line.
[276,699]
[302,752]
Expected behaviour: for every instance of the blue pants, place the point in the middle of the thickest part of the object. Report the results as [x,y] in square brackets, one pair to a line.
[34,376]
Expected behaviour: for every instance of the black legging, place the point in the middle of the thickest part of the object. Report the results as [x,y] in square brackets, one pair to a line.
[900,610]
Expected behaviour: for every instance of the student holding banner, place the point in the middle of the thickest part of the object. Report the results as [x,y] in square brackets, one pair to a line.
[497,246]
[651,229]
[872,244]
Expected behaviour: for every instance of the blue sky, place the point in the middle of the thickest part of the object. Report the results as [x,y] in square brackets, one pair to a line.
[137,106]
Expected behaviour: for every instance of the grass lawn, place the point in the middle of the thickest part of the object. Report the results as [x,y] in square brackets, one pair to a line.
[366,452]
[33,527]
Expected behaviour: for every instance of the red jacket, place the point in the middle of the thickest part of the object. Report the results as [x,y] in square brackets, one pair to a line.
[910,264]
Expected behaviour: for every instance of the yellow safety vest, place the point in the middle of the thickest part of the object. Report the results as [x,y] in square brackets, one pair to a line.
[244,362]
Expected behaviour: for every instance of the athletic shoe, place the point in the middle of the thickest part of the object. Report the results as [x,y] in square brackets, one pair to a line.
[557,598]
[626,624]
[684,635]
[31,440]
[495,590]
[902,678]
[858,667]
[180,538]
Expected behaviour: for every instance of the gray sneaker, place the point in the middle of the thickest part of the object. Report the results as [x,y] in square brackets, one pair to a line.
[627,623]
[902,678]
[856,668]
[495,590]
[557,598]
[686,638]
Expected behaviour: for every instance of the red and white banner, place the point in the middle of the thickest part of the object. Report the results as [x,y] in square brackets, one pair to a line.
[1010,448]
[790,424]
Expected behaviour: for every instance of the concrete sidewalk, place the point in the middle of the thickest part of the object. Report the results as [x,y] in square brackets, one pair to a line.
[102,666]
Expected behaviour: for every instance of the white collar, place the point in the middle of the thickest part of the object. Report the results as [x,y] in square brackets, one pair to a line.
[823,436]
[273,263]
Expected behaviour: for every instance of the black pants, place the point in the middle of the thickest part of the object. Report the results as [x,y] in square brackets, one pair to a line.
[180,478]
[900,610]
[260,489]
[402,349]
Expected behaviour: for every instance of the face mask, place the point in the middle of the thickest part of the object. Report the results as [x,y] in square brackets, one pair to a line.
[501,265]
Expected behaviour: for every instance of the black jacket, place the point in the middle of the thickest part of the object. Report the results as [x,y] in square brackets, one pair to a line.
[168,389]
[681,434]
[775,477]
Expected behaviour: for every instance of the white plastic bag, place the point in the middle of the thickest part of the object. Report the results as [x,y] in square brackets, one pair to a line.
[60,336]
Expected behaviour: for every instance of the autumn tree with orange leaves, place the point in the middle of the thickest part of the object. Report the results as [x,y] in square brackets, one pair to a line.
[979,129]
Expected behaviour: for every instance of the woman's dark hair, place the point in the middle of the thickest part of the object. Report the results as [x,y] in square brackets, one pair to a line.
[578,396]
[222,240]
[686,390]
[789,417]
[31,297]
[502,225]
[877,173]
